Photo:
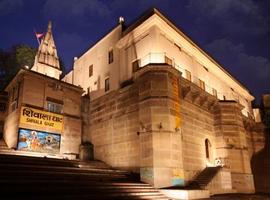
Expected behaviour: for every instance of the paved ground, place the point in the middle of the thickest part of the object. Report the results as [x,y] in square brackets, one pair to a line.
[240,197]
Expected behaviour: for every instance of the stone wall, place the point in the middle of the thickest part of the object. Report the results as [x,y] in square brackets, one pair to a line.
[3,108]
[232,145]
[34,92]
[158,125]
[159,96]
[114,128]
[197,126]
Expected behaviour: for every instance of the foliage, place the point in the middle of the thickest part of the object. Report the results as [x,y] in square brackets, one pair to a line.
[11,61]
[17,57]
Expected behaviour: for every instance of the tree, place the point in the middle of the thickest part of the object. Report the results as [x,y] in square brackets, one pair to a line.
[13,60]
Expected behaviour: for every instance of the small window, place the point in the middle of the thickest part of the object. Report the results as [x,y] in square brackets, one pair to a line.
[179,48]
[2,107]
[54,107]
[90,70]
[15,97]
[201,84]
[13,106]
[207,148]
[89,90]
[136,65]
[107,84]
[110,56]
[168,60]
[205,68]
[188,75]
[214,91]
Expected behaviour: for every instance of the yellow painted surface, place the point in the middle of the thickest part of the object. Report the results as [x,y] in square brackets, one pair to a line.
[178,173]
[42,119]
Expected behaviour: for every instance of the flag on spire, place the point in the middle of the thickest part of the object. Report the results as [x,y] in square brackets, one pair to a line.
[38,35]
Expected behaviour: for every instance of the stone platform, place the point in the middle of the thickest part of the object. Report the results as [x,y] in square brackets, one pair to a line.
[185,194]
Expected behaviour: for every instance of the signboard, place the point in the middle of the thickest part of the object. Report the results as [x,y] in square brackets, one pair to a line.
[40,118]
[38,141]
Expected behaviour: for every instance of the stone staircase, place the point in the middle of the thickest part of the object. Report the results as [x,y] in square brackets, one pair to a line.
[203,178]
[23,177]
[3,146]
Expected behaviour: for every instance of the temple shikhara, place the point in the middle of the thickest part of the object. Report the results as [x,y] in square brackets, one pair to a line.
[145,99]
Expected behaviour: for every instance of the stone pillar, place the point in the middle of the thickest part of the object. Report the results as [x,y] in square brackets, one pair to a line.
[232,146]
[86,148]
[160,125]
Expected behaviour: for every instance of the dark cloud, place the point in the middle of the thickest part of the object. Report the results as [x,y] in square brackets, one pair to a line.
[69,9]
[253,71]
[69,44]
[7,6]
[234,17]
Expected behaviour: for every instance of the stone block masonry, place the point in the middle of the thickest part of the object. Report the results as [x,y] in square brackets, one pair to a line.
[169,130]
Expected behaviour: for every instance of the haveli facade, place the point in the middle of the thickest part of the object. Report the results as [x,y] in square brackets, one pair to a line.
[154,103]
[161,106]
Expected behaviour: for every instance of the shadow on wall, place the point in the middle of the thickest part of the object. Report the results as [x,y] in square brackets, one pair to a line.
[260,164]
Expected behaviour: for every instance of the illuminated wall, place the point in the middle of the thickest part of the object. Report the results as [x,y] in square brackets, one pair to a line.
[46,106]
[154,40]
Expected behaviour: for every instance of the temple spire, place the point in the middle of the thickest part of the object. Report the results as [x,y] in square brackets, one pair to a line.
[46,60]
[49,26]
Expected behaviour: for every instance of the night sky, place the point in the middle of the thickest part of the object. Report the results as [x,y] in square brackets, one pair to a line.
[235,32]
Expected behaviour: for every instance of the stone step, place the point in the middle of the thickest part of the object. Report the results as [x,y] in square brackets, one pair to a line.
[24,177]
[24,167]
[204,177]
[89,197]
[26,160]
[61,189]
[95,178]
[77,182]
[54,175]
[52,193]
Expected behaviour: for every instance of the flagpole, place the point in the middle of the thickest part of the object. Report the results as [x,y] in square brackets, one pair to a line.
[37,37]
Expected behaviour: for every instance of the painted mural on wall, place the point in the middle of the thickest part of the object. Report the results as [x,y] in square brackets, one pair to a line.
[38,141]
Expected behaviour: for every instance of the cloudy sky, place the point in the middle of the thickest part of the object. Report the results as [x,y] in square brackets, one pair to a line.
[235,32]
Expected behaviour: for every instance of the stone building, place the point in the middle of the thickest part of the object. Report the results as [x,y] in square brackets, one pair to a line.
[43,114]
[162,107]
[3,105]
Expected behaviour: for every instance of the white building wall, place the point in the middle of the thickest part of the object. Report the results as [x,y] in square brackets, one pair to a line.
[160,40]
[136,47]
[150,42]
[98,57]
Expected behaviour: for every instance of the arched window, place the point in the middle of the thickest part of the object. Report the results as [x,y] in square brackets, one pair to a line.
[207,148]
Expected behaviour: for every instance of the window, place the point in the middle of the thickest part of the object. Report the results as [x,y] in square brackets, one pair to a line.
[90,70]
[188,75]
[136,65]
[168,60]
[214,91]
[205,68]
[54,107]
[14,97]
[107,84]
[179,48]
[201,84]
[89,90]
[207,148]
[110,56]
[2,107]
